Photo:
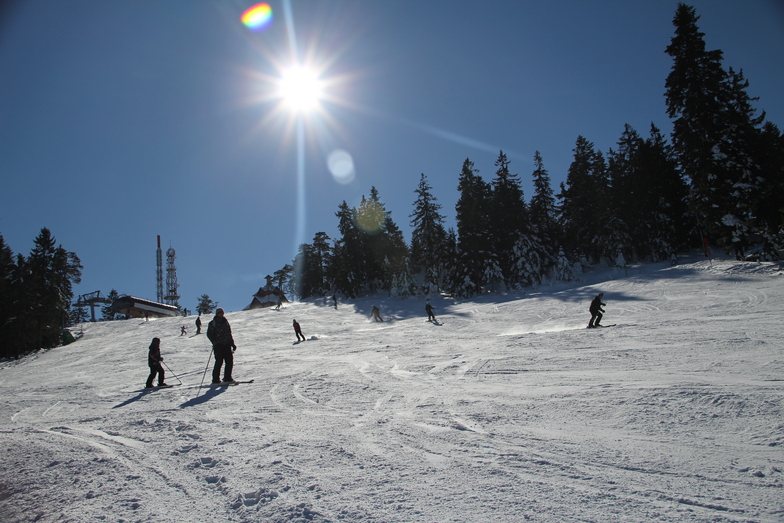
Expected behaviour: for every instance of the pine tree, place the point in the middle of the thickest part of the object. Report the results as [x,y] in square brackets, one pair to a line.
[7,299]
[306,279]
[348,263]
[395,255]
[769,209]
[322,254]
[107,312]
[451,268]
[543,223]
[48,290]
[281,278]
[78,314]
[205,305]
[509,216]
[382,243]
[583,210]
[716,135]
[478,264]
[428,236]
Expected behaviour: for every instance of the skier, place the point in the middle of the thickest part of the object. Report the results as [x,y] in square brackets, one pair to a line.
[198,324]
[154,360]
[280,302]
[219,334]
[183,332]
[335,300]
[376,314]
[429,310]
[298,331]
[596,310]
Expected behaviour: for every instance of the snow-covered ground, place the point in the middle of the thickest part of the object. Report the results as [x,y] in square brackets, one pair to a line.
[507,410]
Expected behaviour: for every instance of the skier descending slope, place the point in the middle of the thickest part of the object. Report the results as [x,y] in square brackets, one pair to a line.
[596,310]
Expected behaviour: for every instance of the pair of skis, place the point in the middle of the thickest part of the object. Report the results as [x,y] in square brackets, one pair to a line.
[221,384]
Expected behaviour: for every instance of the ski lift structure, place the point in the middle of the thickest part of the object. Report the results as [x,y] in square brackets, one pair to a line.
[92,300]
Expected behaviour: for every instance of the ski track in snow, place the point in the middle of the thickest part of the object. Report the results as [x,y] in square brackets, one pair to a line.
[509,410]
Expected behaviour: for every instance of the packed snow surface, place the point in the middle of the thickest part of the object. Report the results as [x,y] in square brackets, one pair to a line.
[508,409]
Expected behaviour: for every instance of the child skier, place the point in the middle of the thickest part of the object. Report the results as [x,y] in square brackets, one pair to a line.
[429,310]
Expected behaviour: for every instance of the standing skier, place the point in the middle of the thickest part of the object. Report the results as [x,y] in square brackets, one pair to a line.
[198,324]
[219,334]
[429,310]
[298,331]
[596,310]
[154,360]
[376,314]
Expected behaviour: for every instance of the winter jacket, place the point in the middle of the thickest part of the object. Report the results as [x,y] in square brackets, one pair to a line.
[154,357]
[596,305]
[219,331]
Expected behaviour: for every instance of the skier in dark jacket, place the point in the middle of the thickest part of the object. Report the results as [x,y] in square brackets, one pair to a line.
[154,360]
[429,310]
[198,324]
[376,314]
[298,331]
[219,334]
[596,310]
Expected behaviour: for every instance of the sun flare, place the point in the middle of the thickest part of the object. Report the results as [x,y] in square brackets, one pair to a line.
[300,88]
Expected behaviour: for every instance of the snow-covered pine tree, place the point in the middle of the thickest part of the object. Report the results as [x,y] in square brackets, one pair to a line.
[543,214]
[49,288]
[583,208]
[403,282]
[563,270]
[509,220]
[473,224]
[7,301]
[768,206]
[348,261]
[530,260]
[386,247]
[716,135]
[428,236]
[450,268]
[322,253]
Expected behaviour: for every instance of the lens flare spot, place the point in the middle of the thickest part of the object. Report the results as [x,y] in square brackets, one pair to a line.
[341,165]
[370,216]
[258,17]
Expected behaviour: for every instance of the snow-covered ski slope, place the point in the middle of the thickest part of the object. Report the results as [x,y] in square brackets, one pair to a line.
[508,410]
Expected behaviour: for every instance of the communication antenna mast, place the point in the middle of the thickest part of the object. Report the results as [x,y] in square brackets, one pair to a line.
[171,279]
[159,271]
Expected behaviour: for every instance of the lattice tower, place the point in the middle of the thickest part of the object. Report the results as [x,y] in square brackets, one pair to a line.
[171,279]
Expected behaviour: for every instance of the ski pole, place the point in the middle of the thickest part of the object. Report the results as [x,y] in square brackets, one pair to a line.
[205,373]
[172,373]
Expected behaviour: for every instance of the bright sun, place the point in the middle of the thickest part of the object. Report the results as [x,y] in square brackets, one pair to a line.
[300,88]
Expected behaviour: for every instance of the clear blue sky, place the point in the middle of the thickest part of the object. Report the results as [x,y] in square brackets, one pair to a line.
[121,120]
